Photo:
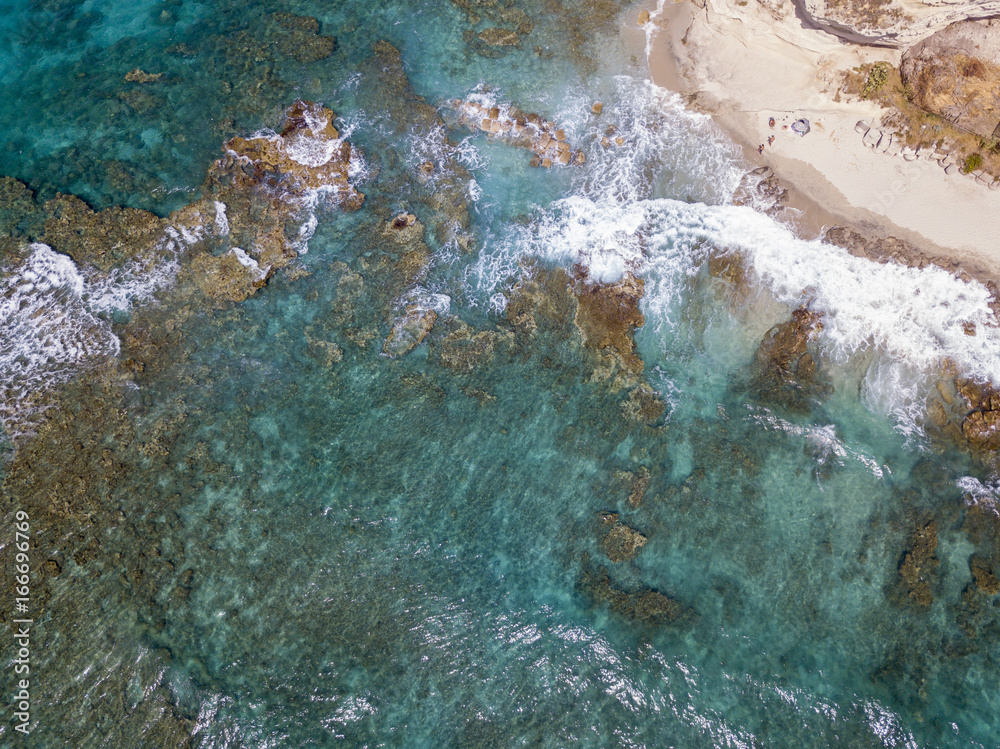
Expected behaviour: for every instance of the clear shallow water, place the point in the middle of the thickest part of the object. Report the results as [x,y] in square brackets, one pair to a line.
[288,550]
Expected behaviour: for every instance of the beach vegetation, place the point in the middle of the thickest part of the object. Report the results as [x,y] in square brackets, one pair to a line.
[917,127]
[972,162]
[877,77]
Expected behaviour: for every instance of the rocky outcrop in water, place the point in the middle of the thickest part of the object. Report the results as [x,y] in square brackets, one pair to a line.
[607,315]
[919,562]
[784,371]
[546,140]
[982,426]
[307,155]
[620,542]
[409,330]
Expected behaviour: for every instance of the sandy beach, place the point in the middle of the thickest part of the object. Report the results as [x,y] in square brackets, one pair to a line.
[745,63]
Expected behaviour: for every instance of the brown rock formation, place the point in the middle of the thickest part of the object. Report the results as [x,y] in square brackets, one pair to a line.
[307,155]
[620,543]
[984,577]
[783,370]
[233,276]
[981,427]
[606,316]
[408,331]
[918,564]
[956,74]
[529,131]
[643,606]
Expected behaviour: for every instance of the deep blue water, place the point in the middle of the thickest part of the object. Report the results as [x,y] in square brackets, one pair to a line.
[249,542]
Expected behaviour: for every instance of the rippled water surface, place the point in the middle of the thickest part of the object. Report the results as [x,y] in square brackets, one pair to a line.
[254,528]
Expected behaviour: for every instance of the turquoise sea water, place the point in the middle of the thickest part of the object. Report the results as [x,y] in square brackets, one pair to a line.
[249,541]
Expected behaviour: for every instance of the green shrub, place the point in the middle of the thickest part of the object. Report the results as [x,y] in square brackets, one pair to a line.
[972,162]
[877,76]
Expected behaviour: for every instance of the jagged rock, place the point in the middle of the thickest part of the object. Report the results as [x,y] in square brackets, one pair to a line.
[918,562]
[892,23]
[137,75]
[984,577]
[621,543]
[409,330]
[233,276]
[784,345]
[307,155]
[956,74]
[530,131]
[981,427]
[606,316]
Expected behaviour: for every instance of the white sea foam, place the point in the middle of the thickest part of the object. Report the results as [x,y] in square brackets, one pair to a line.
[907,322]
[425,299]
[221,220]
[46,333]
[821,441]
[985,496]
[249,263]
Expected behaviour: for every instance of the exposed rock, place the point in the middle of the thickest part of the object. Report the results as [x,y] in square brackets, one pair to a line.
[308,155]
[409,330]
[918,563]
[892,23]
[984,577]
[956,74]
[233,276]
[982,429]
[784,345]
[783,369]
[621,543]
[982,426]
[530,131]
[606,316]
[137,75]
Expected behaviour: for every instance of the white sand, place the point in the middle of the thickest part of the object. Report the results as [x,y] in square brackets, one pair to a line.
[746,63]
